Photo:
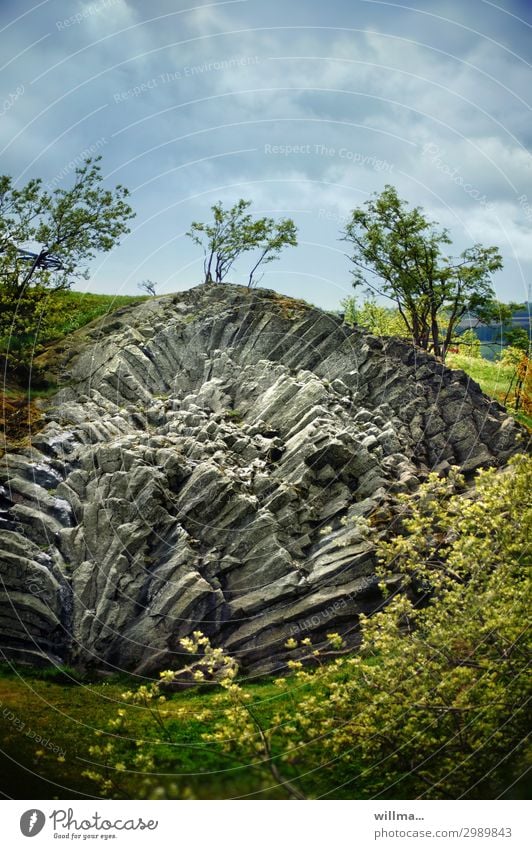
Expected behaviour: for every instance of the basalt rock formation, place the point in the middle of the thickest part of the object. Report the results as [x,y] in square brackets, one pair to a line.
[209,463]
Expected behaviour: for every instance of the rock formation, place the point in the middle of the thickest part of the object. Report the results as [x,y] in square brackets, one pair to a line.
[209,463]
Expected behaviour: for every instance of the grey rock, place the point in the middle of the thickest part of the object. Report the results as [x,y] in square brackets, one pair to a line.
[207,467]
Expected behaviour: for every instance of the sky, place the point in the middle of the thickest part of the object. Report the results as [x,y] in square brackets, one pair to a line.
[304,107]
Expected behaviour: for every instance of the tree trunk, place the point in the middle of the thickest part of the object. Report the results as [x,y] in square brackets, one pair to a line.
[207,265]
[435,330]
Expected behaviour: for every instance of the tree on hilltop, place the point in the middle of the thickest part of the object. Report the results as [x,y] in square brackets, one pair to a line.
[234,232]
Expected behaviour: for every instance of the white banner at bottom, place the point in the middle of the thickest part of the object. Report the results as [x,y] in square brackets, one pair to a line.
[266,825]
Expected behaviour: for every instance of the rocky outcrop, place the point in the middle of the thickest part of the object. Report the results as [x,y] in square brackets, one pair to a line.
[210,463]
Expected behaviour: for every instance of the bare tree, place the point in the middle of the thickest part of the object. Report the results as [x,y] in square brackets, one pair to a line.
[148,286]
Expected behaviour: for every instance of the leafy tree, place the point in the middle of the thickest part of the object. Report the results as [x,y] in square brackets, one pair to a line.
[399,254]
[270,238]
[65,229]
[519,393]
[233,233]
[523,388]
[222,241]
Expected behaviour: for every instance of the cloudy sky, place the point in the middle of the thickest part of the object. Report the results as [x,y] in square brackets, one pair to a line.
[305,107]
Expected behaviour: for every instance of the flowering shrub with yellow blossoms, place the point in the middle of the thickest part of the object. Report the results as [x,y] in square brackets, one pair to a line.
[434,702]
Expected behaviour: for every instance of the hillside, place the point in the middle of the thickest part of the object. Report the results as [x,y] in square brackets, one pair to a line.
[211,461]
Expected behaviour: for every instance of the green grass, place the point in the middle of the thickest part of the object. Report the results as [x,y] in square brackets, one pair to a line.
[492,376]
[76,309]
[72,716]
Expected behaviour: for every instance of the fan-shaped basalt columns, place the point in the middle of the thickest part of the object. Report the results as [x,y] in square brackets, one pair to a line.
[207,464]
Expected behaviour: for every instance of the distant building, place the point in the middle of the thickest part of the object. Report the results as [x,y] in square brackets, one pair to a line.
[492,335]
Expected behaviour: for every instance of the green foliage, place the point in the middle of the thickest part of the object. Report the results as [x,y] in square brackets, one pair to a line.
[234,232]
[68,227]
[495,312]
[517,337]
[496,378]
[234,415]
[460,686]
[519,393]
[511,356]
[399,254]
[115,755]
[379,320]
[68,311]
[469,344]
[493,376]
[61,674]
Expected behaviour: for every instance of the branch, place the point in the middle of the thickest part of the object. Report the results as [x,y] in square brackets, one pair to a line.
[272,766]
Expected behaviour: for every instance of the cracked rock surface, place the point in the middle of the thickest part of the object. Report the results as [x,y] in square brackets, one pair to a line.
[209,463]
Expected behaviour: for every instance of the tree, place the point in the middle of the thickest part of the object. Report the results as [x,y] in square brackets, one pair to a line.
[234,232]
[517,337]
[379,320]
[398,253]
[149,287]
[469,344]
[519,392]
[270,238]
[64,229]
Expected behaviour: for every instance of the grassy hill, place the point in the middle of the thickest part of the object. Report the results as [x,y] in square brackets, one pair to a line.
[75,309]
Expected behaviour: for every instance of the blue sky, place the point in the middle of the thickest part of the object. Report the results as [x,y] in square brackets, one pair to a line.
[304,107]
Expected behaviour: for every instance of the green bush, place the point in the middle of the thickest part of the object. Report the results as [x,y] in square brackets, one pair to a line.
[469,344]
